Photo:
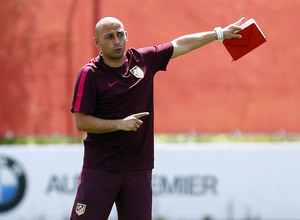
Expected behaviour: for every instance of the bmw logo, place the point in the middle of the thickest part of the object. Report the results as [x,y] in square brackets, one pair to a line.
[12,183]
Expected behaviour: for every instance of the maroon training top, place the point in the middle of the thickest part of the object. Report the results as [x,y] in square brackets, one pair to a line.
[115,93]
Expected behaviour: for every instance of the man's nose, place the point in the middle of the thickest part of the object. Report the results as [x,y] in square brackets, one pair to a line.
[117,40]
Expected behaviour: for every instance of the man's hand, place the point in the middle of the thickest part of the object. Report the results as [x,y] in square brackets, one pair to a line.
[92,124]
[132,122]
[230,31]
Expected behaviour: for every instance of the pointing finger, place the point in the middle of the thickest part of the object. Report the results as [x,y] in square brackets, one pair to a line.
[141,114]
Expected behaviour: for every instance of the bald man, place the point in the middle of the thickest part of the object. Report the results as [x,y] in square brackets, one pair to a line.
[113,103]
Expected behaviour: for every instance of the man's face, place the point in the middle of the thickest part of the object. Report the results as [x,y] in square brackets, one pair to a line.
[111,38]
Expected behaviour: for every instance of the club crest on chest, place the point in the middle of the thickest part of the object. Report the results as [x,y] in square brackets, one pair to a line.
[137,72]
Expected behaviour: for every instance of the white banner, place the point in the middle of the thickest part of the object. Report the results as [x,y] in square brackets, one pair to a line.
[190,181]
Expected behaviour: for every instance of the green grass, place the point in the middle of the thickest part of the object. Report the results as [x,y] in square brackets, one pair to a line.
[234,137]
[42,140]
[164,138]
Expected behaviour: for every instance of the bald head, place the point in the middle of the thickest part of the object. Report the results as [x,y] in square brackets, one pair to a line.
[107,22]
[111,38]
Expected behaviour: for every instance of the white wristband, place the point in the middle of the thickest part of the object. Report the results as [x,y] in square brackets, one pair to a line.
[219,33]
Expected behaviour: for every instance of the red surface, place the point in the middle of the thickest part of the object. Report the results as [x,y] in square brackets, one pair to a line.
[43,44]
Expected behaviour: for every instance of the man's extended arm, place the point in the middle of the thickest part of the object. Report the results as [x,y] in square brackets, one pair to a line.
[191,42]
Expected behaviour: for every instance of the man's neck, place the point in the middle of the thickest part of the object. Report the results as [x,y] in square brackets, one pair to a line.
[113,62]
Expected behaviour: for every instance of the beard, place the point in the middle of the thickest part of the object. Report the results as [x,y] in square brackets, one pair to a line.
[114,57]
[117,53]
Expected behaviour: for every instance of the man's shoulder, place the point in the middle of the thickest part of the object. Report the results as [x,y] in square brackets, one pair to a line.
[91,66]
[150,50]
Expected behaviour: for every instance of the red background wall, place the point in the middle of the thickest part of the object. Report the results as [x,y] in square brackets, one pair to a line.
[43,44]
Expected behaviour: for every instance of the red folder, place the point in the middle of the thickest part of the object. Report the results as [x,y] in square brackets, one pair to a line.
[252,38]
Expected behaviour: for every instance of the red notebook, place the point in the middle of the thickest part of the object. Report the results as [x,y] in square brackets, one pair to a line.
[252,38]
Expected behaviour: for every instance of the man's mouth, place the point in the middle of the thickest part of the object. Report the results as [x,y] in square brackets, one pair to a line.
[118,49]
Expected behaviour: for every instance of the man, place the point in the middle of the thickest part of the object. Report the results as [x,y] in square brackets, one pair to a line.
[113,103]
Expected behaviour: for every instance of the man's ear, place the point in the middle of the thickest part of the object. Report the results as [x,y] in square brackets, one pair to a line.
[126,35]
[96,42]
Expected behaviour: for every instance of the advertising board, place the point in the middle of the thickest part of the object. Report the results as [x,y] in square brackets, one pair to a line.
[190,181]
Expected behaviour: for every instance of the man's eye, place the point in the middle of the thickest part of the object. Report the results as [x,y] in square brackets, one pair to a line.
[109,37]
[121,34]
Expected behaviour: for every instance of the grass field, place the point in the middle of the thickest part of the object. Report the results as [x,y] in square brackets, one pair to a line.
[165,138]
